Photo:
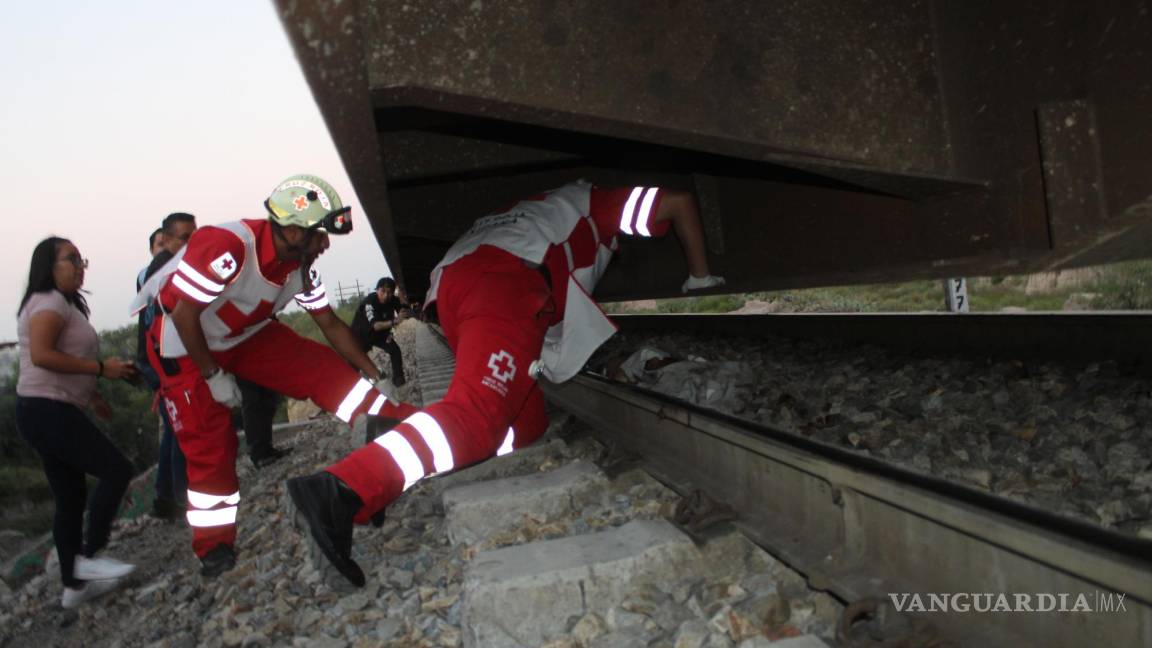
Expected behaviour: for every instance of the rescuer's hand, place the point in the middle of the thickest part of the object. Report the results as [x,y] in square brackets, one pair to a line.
[699,283]
[385,386]
[224,388]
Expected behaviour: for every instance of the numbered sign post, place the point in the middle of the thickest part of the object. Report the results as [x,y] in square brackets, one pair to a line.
[956,295]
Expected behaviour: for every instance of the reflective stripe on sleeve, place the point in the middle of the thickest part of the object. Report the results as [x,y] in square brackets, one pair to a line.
[348,405]
[201,280]
[192,291]
[313,305]
[433,435]
[506,447]
[377,404]
[313,300]
[404,456]
[629,207]
[212,518]
[645,211]
[207,501]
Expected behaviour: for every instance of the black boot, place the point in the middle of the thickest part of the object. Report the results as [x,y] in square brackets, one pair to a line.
[271,457]
[378,518]
[329,505]
[219,560]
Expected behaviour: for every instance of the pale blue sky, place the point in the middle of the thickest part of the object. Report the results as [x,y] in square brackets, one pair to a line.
[113,114]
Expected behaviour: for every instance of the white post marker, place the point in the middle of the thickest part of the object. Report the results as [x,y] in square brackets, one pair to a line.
[956,295]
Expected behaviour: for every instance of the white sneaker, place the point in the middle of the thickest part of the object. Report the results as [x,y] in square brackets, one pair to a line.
[91,569]
[75,597]
[698,283]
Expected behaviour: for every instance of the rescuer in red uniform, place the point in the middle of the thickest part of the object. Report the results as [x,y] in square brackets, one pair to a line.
[513,298]
[217,296]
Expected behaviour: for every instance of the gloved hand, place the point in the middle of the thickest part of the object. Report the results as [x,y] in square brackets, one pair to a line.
[385,386]
[697,283]
[224,388]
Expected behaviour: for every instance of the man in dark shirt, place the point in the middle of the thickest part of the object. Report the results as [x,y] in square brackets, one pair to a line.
[171,478]
[374,320]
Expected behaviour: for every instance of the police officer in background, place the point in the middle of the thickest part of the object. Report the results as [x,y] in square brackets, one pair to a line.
[376,317]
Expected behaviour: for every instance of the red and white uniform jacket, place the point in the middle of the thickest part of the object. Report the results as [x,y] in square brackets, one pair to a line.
[232,269]
[572,231]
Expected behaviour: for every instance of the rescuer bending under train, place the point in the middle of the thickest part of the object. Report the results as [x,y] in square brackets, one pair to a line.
[512,296]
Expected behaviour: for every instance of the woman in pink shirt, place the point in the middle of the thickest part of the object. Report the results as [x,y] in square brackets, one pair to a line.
[59,366]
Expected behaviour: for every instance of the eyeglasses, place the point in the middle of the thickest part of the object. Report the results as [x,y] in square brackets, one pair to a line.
[76,260]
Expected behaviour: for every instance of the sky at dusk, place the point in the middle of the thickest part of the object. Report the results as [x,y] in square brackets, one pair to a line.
[115,114]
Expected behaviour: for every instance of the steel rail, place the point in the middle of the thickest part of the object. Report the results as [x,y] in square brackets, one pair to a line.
[1124,336]
[859,527]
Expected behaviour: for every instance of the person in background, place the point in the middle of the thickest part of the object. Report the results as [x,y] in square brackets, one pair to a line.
[512,296]
[171,472]
[257,409]
[376,317]
[59,366]
[155,246]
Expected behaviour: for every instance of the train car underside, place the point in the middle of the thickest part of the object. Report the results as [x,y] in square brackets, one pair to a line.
[828,141]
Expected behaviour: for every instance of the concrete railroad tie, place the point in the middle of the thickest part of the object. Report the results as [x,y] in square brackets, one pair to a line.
[519,596]
[435,364]
[480,510]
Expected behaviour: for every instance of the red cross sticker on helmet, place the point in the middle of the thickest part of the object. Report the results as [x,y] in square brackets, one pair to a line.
[337,222]
[301,203]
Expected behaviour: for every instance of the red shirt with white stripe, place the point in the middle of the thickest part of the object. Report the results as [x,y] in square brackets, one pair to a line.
[230,270]
[211,259]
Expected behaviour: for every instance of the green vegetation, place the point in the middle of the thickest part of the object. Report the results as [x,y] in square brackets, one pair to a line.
[302,323]
[1121,286]
[24,481]
[1125,286]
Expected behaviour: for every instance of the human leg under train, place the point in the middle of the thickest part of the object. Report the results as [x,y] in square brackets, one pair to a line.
[309,371]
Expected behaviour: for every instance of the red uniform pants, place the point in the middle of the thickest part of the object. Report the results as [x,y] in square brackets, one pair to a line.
[277,358]
[495,311]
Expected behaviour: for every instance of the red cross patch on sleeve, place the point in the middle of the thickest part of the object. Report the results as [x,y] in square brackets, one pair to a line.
[224,265]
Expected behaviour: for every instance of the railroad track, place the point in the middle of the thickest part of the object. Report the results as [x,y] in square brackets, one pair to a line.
[869,531]
[571,547]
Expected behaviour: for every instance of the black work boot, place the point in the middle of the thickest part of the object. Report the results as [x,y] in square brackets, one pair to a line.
[328,505]
[271,457]
[219,560]
[378,518]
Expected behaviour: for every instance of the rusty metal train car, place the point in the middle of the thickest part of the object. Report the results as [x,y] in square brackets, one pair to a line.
[829,141]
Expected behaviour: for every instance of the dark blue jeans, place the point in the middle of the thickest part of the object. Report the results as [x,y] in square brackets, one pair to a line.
[71,446]
[171,471]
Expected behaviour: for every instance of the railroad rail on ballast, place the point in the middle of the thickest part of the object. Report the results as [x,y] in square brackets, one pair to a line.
[864,528]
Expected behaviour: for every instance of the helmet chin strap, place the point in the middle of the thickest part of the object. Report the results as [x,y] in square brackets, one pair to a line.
[305,262]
